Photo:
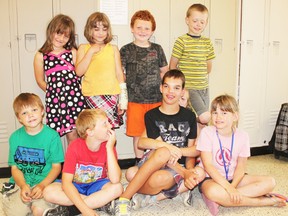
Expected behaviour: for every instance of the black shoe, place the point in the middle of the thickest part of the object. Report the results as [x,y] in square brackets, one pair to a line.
[57,211]
[73,210]
[108,208]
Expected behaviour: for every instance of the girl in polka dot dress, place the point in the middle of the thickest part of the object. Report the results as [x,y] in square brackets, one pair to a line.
[55,74]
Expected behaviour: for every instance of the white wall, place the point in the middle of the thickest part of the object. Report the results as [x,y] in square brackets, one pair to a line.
[24,24]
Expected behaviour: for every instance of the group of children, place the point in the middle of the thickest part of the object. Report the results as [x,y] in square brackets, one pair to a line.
[89,99]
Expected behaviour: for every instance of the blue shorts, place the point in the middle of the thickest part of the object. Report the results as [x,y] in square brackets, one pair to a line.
[89,188]
[174,190]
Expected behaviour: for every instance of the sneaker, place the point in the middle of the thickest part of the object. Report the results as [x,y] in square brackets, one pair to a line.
[73,210]
[122,207]
[57,211]
[186,197]
[142,200]
[108,208]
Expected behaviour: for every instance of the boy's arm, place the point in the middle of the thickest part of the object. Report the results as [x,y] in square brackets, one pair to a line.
[114,171]
[149,143]
[37,191]
[20,181]
[163,70]
[209,66]
[73,194]
[173,63]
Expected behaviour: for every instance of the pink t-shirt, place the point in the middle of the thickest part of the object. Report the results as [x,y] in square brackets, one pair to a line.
[209,142]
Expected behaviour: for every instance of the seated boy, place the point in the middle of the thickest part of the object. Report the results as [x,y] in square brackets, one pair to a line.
[91,174]
[167,167]
[35,156]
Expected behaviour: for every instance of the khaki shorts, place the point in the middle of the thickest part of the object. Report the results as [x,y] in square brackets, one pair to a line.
[14,206]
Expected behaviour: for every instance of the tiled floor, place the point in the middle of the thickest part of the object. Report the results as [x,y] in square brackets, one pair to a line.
[257,165]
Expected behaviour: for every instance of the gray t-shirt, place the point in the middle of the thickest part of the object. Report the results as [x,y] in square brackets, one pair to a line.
[142,66]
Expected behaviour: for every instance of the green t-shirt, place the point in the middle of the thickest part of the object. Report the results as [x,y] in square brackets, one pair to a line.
[35,154]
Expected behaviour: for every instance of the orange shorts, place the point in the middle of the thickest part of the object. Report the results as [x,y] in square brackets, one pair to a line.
[135,124]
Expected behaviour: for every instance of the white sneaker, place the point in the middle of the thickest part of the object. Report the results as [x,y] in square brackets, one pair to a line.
[142,200]
[187,197]
[122,207]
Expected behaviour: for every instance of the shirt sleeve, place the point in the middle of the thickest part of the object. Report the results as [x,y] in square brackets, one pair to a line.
[178,48]
[211,54]
[162,57]
[151,129]
[205,141]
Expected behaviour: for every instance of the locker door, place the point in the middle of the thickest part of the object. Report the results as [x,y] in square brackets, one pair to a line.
[223,23]
[7,122]
[277,76]
[33,18]
[253,69]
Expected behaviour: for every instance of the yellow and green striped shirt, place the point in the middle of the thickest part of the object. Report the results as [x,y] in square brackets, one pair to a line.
[193,54]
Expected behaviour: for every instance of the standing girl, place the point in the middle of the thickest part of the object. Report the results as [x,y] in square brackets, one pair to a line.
[55,60]
[99,63]
[224,152]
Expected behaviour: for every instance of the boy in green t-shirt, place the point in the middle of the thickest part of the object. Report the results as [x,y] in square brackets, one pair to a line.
[35,156]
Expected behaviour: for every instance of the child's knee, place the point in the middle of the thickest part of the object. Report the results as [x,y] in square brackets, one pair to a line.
[130,173]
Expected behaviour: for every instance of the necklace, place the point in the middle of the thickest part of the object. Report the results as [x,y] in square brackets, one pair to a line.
[226,168]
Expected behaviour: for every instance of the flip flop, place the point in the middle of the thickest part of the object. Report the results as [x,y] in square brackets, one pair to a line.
[278,196]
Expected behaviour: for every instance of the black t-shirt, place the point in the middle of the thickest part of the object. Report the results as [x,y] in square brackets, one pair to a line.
[175,129]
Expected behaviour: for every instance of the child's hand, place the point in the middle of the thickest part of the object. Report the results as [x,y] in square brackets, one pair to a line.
[25,193]
[175,152]
[191,178]
[37,192]
[95,48]
[112,138]
[234,194]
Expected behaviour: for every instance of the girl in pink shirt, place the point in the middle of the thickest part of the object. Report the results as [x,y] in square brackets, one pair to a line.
[224,152]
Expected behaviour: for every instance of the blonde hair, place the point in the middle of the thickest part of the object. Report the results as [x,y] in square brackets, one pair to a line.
[26,100]
[92,22]
[197,7]
[226,103]
[87,119]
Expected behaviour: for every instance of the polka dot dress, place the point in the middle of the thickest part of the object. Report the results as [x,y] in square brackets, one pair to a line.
[64,100]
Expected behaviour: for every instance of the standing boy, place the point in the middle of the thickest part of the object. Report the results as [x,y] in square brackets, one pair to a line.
[144,63]
[91,174]
[192,54]
[167,167]
[35,156]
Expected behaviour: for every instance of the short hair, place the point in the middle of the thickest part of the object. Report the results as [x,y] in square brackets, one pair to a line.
[60,24]
[143,15]
[197,7]
[87,119]
[26,100]
[93,20]
[176,74]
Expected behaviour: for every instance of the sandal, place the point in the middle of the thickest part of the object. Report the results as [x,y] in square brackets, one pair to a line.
[278,196]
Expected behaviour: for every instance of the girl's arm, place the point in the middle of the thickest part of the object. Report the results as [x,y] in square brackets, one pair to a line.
[83,59]
[206,158]
[114,171]
[74,54]
[118,64]
[239,171]
[173,63]
[39,71]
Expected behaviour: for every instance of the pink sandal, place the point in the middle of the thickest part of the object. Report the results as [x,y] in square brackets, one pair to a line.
[212,206]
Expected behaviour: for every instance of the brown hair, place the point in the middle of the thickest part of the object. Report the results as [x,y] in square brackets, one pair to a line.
[26,100]
[92,22]
[197,7]
[87,119]
[143,15]
[176,74]
[60,24]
